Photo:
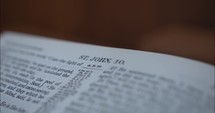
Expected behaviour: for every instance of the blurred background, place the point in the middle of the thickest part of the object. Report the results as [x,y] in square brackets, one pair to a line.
[179,27]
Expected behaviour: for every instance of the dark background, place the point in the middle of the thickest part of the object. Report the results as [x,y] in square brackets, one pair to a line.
[130,24]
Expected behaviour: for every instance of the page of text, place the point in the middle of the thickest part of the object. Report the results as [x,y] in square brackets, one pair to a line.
[43,75]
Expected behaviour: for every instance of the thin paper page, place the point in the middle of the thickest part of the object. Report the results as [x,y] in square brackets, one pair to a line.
[43,75]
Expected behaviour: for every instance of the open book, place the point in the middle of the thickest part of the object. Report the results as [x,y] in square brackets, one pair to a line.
[44,75]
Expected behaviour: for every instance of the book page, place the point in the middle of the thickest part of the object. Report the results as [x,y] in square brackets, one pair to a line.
[44,75]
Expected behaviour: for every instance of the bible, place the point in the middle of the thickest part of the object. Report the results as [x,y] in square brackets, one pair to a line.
[45,75]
